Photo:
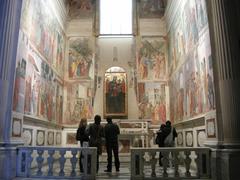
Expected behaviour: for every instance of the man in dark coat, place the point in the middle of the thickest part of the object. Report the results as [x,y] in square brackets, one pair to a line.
[96,133]
[111,134]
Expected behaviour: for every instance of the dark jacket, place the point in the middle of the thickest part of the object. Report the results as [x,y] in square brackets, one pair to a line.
[82,135]
[160,138]
[111,133]
[167,130]
[96,133]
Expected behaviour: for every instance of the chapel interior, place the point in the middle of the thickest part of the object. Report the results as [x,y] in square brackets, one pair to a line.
[178,61]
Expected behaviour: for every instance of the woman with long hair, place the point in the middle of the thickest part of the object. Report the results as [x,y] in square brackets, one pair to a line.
[82,137]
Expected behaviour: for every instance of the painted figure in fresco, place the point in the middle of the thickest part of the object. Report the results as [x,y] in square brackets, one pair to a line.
[115,95]
[180,97]
[201,14]
[211,96]
[27,95]
[157,66]
[162,112]
[85,5]
[34,96]
[19,77]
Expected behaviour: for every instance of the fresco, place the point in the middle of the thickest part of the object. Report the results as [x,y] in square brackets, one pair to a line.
[192,87]
[78,102]
[188,25]
[151,58]
[71,138]
[177,44]
[152,102]
[44,31]
[81,9]
[38,90]
[80,58]
[151,8]
[20,74]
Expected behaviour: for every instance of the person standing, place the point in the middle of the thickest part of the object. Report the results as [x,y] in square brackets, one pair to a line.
[170,135]
[82,137]
[112,131]
[160,141]
[96,133]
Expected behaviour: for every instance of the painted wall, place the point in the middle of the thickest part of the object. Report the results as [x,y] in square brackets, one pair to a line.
[192,95]
[38,91]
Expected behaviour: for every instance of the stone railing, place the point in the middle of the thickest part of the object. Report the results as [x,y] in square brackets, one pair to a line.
[56,162]
[176,163]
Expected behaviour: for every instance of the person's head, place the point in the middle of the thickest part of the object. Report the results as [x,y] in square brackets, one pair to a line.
[97,119]
[168,123]
[162,126]
[83,122]
[109,119]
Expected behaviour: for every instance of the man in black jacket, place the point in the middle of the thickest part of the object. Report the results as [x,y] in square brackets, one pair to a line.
[111,134]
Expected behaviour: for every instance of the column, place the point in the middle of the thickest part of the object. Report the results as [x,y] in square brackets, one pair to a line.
[10,12]
[224,25]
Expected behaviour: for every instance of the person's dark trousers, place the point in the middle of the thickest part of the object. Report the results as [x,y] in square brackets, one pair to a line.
[80,162]
[112,147]
[80,159]
[97,162]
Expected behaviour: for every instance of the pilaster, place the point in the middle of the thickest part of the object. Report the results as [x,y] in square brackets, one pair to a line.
[224,25]
[10,12]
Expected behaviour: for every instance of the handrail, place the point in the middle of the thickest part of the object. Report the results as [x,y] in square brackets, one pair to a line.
[40,161]
[176,163]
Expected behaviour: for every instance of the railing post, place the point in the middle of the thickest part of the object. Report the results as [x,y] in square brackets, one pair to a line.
[153,163]
[50,162]
[40,161]
[137,164]
[62,161]
[89,162]
[176,162]
[73,161]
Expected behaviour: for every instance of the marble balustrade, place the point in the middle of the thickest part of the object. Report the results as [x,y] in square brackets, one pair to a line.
[177,163]
[49,162]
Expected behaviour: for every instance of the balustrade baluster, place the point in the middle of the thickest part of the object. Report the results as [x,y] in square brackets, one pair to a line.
[62,161]
[198,161]
[50,162]
[29,162]
[176,163]
[153,163]
[187,163]
[73,161]
[165,161]
[40,161]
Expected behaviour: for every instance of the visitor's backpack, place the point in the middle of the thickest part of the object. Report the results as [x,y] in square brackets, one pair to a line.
[168,142]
